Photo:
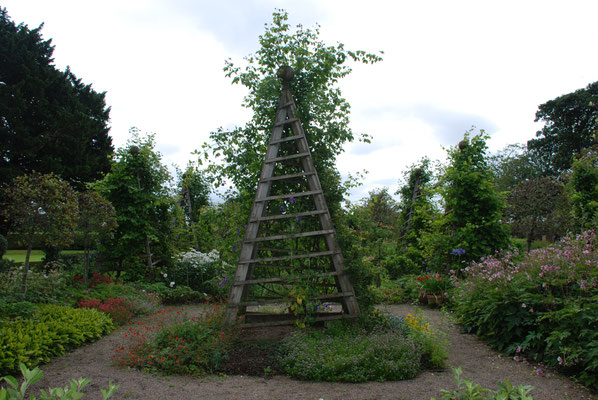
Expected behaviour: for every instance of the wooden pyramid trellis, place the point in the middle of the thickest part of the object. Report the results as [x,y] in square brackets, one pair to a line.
[290,255]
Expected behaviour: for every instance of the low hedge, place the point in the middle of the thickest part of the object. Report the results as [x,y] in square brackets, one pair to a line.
[50,332]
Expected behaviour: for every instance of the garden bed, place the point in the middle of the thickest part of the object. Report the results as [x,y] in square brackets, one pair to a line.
[479,363]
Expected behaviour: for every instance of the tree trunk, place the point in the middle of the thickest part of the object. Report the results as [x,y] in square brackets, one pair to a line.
[148,254]
[26,267]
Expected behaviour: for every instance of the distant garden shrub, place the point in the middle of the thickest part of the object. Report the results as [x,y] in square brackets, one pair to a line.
[202,272]
[49,282]
[544,307]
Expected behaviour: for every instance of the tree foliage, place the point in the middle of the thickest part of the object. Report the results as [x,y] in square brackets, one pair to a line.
[472,207]
[97,220]
[583,190]
[137,187]
[320,105]
[415,207]
[50,121]
[536,208]
[571,121]
[42,209]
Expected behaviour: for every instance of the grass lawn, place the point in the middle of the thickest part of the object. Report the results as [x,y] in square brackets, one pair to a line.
[36,255]
[19,255]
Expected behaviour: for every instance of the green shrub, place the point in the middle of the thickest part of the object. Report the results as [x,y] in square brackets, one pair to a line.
[434,343]
[195,346]
[350,357]
[50,332]
[49,283]
[17,309]
[69,392]
[178,295]
[468,390]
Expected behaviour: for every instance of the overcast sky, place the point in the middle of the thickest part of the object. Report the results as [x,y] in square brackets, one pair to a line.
[447,65]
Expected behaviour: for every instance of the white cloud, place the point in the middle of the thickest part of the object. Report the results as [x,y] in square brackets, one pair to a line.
[447,66]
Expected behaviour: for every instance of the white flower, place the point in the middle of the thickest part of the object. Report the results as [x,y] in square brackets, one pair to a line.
[172,284]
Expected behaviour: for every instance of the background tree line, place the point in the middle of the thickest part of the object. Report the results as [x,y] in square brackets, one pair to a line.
[445,215]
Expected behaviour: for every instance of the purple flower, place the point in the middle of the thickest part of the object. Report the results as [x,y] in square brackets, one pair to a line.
[281,208]
[223,282]
[234,248]
[292,199]
[539,372]
[458,252]
[299,219]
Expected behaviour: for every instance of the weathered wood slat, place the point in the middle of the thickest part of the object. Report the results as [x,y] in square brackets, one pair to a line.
[285,278]
[292,321]
[290,236]
[288,176]
[287,216]
[286,122]
[285,105]
[285,139]
[284,158]
[289,195]
[293,257]
[280,300]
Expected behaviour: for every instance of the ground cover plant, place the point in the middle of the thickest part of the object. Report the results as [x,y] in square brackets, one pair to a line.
[169,342]
[394,349]
[544,307]
[49,332]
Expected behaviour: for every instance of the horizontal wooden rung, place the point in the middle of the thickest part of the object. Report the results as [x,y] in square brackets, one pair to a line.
[292,321]
[290,236]
[287,121]
[288,176]
[280,300]
[288,196]
[293,257]
[284,158]
[285,105]
[288,216]
[286,139]
[285,278]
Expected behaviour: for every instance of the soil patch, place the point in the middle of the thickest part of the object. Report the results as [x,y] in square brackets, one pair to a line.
[478,362]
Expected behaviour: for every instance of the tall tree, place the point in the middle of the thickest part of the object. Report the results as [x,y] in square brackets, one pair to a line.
[571,121]
[473,209]
[42,209]
[320,106]
[50,121]
[137,187]
[415,207]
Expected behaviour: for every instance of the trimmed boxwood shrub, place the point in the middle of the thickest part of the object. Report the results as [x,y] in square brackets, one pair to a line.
[50,332]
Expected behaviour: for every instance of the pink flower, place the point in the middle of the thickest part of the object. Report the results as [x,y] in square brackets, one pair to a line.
[524,305]
[539,372]
[518,349]
[516,358]
[560,360]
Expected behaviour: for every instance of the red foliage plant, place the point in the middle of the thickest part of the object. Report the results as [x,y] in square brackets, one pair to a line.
[95,279]
[120,310]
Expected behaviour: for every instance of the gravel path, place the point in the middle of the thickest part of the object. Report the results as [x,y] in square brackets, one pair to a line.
[478,362]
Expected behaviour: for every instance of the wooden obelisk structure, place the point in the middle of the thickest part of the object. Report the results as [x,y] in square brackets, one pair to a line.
[290,253]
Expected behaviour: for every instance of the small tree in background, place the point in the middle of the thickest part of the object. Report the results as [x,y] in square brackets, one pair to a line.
[97,219]
[583,190]
[472,208]
[43,210]
[137,187]
[536,207]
